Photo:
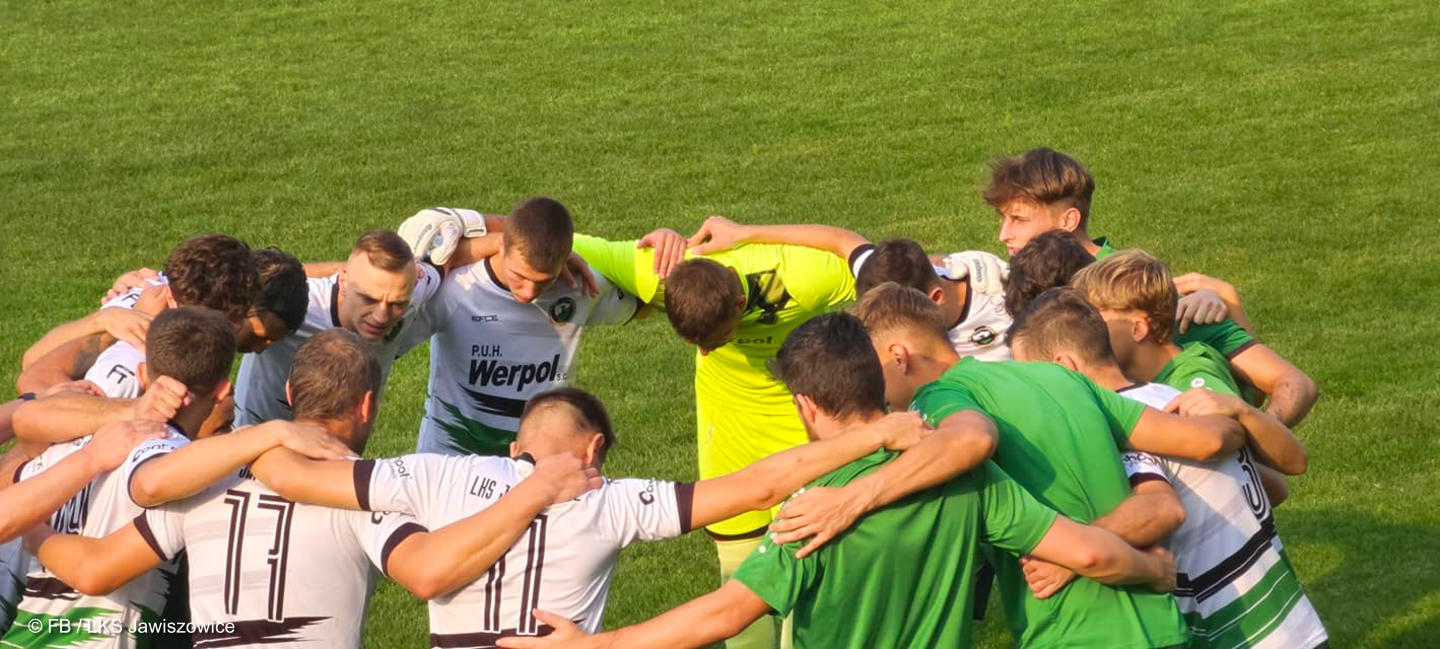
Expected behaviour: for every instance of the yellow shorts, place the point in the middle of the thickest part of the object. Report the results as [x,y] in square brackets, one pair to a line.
[731,439]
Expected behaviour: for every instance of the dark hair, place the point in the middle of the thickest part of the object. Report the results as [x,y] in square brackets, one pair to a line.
[829,359]
[1043,176]
[589,412]
[541,231]
[1049,260]
[214,271]
[1060,319]
[283,291]
[330,375]
[384,250]
[902,261]
[192,344]
[703,300]
[890,306]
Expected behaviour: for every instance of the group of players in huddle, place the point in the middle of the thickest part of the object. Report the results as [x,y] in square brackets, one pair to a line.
[1115,480]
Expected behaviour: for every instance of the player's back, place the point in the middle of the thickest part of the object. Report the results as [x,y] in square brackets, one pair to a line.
[268,572]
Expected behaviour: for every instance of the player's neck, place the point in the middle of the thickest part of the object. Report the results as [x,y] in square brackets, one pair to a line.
[1108,376]
[825,426]
[192,417]
[956,301]
[1150,358]
[345,430]
[1083,234]
[496,263]
[932,364]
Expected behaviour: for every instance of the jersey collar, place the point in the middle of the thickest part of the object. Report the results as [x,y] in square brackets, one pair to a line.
[335,304]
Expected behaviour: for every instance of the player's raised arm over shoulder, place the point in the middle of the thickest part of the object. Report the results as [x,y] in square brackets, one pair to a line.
[329,483]
[1292,392]
[93,566]
[1273,442]
[719,233]
[1197,438]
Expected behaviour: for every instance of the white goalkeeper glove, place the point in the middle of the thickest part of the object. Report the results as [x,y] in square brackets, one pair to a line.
[434,233]
[986,271]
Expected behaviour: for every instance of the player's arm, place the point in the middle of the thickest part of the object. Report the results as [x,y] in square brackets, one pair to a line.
[28,502]
[1276,488]
[68,416]
[1273,442]
[700,622]
[1192,283]
[1292,393]
[1196,438]
[110,324]
[329,483]
[719,233]
[188,470]
[1149,515]
[90,565]
[1097,554]
[317,269]
[67,362]
[433,564]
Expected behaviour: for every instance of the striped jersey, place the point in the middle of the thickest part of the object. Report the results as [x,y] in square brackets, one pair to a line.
[983,319]
[564,561]
[102,506]
[490,353]
[260,384]
[267,572]
[1234,584]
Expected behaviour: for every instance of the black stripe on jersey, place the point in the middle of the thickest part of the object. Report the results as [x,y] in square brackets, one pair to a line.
[1130,387]
[684,504]
[1143,477]
[143,526]
[364,473]
[279,554]
[239,502]
[400,534]
[485,640]
[535,565]
[1242,348]
[49,588]
[494,405]
[494,578]
[253,632]
[1214,579]
[856,254]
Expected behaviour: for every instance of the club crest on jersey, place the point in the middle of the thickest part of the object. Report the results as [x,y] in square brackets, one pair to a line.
[984,336]
[562,310]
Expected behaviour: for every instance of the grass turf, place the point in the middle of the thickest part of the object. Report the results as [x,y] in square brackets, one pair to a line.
[1287,146]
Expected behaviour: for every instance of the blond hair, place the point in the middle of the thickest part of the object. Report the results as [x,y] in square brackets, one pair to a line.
[1132,280]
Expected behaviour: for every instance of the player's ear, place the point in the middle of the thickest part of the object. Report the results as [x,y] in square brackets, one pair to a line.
[1140,329]
[289,400]
[595,451]
[899,355]
[1067,360]
[367,407]
[514,449]
[170,298]
[936,294]
[144,373]
[222,390]
[1070,219]
[806,406]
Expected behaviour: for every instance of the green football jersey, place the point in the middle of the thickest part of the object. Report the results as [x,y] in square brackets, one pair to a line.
[1060,437]
[901,578]
[1199,365]
[1106,248]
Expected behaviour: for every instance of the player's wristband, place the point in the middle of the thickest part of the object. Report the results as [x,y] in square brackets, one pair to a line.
[28,396]
[474,223]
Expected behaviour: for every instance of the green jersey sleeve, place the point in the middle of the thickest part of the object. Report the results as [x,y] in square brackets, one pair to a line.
[1122,414]
[774,574]
[630,268]
[1226,337]
[1014,520]
[936,401]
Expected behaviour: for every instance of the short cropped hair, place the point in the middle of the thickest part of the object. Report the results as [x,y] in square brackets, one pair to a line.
[330,375]
[902,261]
[192,344]
[1059,319]
[283,290]
[1043,176]
[829,359]
[541,231]
[703,302]
[1049,260]
[587,409]
[214,271]
[891,307]
[384,250]
[1132,280]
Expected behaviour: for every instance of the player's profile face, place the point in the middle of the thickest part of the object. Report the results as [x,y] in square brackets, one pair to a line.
[1021,221]
[372,299]
[257,332]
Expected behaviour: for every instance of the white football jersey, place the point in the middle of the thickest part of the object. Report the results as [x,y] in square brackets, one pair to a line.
[983,322]
[101,507]
[1234,582]
[260,384]
[268,572]
[490,353]
[117,369]
[563,563]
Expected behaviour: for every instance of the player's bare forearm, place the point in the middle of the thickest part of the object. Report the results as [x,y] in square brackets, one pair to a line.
[25,504]
[440,562]
[7,423]
[1276,488]
[1273,442]
[837,241]
[701,621]
[961,442]
[90,565]
[473,249]
[1097,554]
[329,483]
[1292,393]
[188,470]
[63,417]
[314,269]
[1202,438]
[67,362]
[1292,398]
[53,339]
[1147,516]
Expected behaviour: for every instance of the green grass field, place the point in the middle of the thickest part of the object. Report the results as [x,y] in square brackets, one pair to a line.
[1290,147]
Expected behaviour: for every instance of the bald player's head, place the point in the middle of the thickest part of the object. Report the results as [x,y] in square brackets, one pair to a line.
[565,420]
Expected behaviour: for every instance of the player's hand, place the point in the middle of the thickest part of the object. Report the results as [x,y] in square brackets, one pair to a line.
[132,280]
[986,271]
[1192,282]
[309,440]
[901,430]
[162,400]
[577,275]
[113,441]
[433,234]
[566,476]
[669,249]
[1045,578]
[1198,402]
[717,233]
[1204,306]
[819,514]
[74,387]
[566,634]
[1166,581]
[127,325]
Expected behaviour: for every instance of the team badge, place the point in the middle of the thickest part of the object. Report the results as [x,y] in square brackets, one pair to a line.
[562,310]
[1197,382]
[983,336]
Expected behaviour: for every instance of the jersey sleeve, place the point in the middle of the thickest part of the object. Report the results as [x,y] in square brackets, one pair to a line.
[379,533]
[774,574]
[427,284]
[1120,413]
[398,484]
[145,452]
[1141,467]
[613,305]
[1225,336]
[859,256]
[630,268]
[116,371]
[818,280]
[645,510]
[163,529]
[937,401]
[1014,520]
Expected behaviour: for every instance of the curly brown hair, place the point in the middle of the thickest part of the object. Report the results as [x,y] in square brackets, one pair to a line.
[214,271]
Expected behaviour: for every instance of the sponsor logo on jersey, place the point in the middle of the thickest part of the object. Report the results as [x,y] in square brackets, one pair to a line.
[485,318]
[70,518]
[647,497]
[758,340]
[563,309]
[983,336]
[493,374]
